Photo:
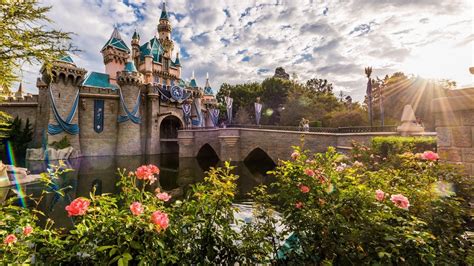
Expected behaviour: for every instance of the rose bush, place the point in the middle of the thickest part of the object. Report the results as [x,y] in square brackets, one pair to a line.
[407,210]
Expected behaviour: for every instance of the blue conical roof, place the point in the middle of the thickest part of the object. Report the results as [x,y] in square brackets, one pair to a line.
[164,13]
[130,67]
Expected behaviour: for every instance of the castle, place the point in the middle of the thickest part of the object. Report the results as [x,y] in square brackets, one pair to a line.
[134,108]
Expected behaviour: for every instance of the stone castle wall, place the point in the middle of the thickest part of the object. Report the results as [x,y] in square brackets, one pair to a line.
[455,128]
[92,142]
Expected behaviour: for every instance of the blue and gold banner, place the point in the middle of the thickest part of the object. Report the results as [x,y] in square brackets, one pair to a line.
[98,115]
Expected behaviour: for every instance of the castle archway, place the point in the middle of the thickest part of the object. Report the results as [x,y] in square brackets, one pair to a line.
[169,127]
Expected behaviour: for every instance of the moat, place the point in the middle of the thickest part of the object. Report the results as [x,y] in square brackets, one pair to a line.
[176,176]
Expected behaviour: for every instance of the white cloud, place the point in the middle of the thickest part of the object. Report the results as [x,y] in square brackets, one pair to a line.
[240,41]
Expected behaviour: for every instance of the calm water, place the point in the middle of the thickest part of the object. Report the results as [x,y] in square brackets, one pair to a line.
[176,174]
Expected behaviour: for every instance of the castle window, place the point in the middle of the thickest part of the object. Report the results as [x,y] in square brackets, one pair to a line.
[156,79]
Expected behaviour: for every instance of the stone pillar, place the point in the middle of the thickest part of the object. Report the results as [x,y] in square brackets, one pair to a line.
[454,116]
[230,145]
[186,143]
[153,123]
[128,140]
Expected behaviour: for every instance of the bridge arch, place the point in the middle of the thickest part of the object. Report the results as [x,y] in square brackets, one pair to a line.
[258,156]
[207,156]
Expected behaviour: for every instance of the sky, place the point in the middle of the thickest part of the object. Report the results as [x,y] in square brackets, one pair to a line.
[245,40]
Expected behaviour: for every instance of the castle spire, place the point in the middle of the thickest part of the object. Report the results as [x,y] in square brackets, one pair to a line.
[193,82]
[177,62]
[19,92]
[164,13]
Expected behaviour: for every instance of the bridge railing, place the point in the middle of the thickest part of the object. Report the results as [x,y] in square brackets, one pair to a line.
[362,129]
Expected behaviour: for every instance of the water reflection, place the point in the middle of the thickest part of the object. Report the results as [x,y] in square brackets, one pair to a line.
[176,176]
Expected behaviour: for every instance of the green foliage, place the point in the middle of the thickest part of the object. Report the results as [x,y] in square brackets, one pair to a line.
[5,125]
[20,135]
[26,38]
[340,221]
[394,145]
[321,210]
[61,144]
[347,118]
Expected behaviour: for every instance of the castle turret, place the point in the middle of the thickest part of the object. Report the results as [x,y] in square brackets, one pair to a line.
[164,33]
[136,47]
[115,53]
[130,82]
[177,64]
[148,58]
[62,91]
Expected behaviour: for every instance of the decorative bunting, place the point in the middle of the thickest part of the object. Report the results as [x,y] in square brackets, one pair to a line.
[132,116]
[98,116]
[228,102]
[63,125]
[214,114]
[186,113]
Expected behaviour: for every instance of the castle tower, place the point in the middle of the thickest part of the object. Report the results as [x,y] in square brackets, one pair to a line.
[164,33]
[62,91]
[128,139]
[115,53]
[135,47]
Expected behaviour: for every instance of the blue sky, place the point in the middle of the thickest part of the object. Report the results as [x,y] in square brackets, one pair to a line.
[242,41]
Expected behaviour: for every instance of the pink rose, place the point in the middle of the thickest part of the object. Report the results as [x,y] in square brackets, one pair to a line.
[379,195]
[295,155]
[147,173]
[309,172]
[400,201]
[160,219]
[27,230]
[163,196]
[304,189]
[299,205]
[430,156]
[10,239]
[136,208]
[77,207]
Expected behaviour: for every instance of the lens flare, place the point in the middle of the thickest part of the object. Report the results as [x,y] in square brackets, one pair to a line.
[11,159]
[269,112]
[444,189]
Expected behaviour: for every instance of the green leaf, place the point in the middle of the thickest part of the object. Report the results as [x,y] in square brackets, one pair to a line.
[102,248]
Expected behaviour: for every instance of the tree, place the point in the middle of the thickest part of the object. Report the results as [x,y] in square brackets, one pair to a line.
[319,86]
[368,72]
[20,136]
[25,38]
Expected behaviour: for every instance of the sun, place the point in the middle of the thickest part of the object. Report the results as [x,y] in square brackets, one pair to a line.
[441,60]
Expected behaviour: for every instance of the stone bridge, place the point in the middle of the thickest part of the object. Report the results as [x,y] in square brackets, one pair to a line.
[237,144]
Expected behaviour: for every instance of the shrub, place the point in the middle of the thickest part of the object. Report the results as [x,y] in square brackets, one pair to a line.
[61,144]
[393,145]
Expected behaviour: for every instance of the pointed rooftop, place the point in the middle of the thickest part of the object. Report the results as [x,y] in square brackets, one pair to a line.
[193,82]
[136,35]
[164,13]
[207,88]
[66,59]
[130,67]
[19,92]
[177,62]
[116,41]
